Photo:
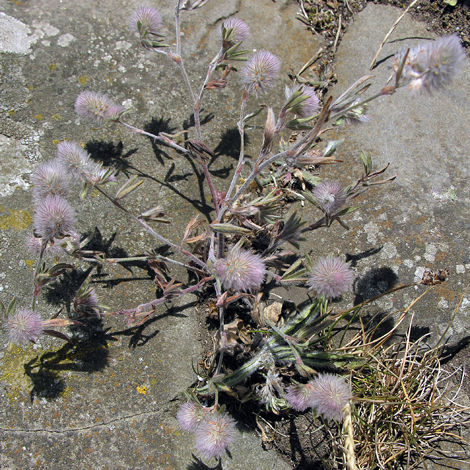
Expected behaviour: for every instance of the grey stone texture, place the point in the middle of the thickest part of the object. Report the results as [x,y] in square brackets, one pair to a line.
[421,220]
[111,402]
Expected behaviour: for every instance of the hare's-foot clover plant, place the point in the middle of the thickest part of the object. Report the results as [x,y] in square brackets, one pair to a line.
[293,363]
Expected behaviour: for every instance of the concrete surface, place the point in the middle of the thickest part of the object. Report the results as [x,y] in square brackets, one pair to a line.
[110,401]
[421,220]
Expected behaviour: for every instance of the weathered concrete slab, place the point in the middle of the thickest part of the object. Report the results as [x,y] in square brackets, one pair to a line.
[421,220]
[107,402]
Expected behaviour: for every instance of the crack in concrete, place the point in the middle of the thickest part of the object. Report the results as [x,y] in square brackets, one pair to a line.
[84,428]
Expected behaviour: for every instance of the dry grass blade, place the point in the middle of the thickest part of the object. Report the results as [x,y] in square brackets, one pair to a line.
[411,5]
[407,406]
[310,62]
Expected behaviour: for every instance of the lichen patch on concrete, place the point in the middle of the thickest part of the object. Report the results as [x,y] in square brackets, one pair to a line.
[15,165]
[15,36]
[18,219]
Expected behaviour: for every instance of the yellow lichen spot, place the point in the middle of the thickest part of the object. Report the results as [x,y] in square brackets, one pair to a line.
[38,116]
[12,370]
[52,67]
[29,262]
[83,79]
[142,390]
[30,87]
[67,392]
[55,141]
[56,116]
[18,219]
[11,112]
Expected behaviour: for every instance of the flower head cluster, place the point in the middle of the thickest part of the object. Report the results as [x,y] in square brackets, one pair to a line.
[330,196]
[96,107]
[145,20]
[298,396]
[235,31]
[190,415]
[214,434]
[35,246]
[327,394]
[54,218]
[433,65]
[50,179]
[240,270]
[23,326]
[331,277]
[308,107]
[260,72]
[86,302]
[214,430]
[78,162]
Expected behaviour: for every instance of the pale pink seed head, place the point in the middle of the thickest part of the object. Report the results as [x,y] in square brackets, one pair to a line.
[331,277]
[446,58]
[433,65]
[330,196]
[54,218]
[240,30]
[96,107]
[260,72]
[329,394]
[145,20]
[214,434]
[78,162]
[113,112]
[298,396]
[87,302]
[190,415]
[23,326]
[34,245]
[308,107]
[50,179]
[240,270]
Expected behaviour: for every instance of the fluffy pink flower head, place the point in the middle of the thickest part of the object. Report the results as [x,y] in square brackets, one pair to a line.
[240,30]
[78,162]
[23,326]
[34,245]
[75,159]
[214,434]
[433,65]
[240,270]
[298,396]
[50,179]
[308,107]
[330,196]
[145,20]
[331,277]
[190,415]
[329,394]
[260,72]
[54,218]
[96,107]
